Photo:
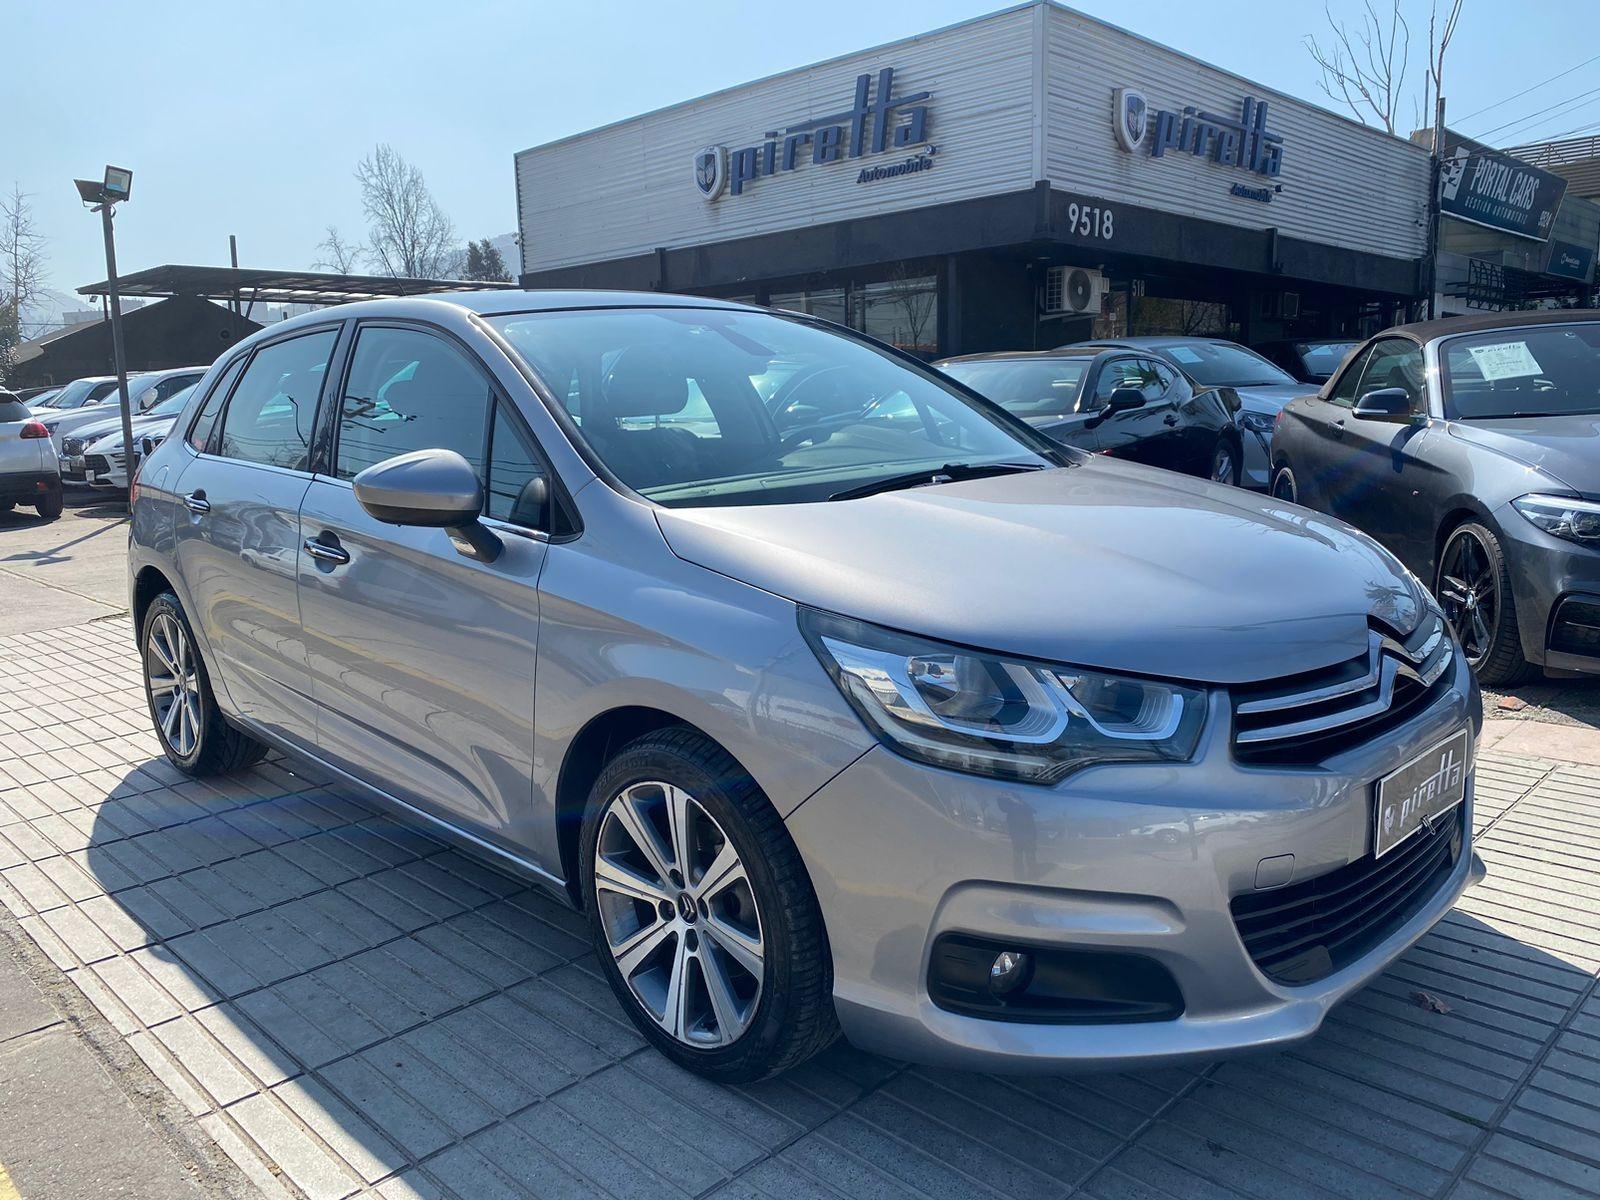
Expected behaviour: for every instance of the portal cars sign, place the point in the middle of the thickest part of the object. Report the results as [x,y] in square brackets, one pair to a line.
[877,122]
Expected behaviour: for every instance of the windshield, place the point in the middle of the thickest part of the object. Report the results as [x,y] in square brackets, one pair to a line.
[171,406]
[1223,364]
[671,400]
[1026,387]
[74,394]
[44,399]
[1322,359]
[1542,371]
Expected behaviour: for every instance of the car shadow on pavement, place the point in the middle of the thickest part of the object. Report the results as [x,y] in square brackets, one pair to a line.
[342,998]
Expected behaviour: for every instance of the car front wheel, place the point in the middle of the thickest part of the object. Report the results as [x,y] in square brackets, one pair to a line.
[1474,589]
[1283,486]
[1224,463]
[702,913]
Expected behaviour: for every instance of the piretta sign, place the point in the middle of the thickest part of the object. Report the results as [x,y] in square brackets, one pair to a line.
[877,122]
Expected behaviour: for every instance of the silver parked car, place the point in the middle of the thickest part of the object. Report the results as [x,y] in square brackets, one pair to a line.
[987,751]
[28,472]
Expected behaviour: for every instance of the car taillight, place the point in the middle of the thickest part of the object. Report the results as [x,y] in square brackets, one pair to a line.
[35,429]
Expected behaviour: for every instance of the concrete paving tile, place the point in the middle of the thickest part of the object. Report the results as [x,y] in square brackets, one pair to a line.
[192,1045]
[416,1130]
[309,1167]
[357,1143]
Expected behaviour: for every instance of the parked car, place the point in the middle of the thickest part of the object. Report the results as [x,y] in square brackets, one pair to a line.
[94,454]
[1470,447]
[27,463]
[36,397]
[1260,388]
[1131,406]
[147,389]
[787,711]
[89,390]
[1310,360]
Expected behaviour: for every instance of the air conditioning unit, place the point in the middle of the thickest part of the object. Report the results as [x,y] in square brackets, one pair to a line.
[1073,291]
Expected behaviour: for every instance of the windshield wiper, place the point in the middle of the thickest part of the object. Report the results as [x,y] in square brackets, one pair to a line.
[949,473]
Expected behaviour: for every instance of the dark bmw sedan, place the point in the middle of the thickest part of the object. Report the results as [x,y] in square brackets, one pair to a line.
[1471,448]
[1111,401]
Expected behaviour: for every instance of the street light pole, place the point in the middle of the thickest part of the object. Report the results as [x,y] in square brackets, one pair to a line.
[117,352]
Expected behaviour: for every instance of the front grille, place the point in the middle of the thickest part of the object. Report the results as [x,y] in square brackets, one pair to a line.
[72,446]
[1307,931]
[1575,629]
[1307,718]
[96,464]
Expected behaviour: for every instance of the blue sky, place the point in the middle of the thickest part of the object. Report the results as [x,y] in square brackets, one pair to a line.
[248,118]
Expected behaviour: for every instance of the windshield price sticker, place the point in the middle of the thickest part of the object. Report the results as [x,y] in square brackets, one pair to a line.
[1505,360]
[1183,354]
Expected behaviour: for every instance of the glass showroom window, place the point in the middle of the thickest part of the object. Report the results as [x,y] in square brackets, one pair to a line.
[902,312]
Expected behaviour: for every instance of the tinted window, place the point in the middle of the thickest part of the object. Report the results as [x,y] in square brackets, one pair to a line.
[1322,360]
[173,404]
[1395,363]
[1223,364]
[12,409]
[1347,388]
[200,431]
[1135,374]
[101,390]
[512,463]
[1544,370]
[636,379]
[1029,388]
[410,390]
[269,418]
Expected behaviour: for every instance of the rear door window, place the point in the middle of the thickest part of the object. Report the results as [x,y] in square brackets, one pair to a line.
[206,418]
[269,418]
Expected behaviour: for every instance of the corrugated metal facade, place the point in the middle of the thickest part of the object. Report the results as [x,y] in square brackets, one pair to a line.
[628,188]
[1019,96]
[1343,184]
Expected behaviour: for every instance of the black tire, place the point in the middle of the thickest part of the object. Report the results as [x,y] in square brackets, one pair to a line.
[50,505]
[1225,450]
[1284,486]
[219,749]
[793,1016]
[1498,661]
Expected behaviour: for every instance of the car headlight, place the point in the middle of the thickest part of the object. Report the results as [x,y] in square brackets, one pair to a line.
[1006,717]
[1575,520]
[1261,423]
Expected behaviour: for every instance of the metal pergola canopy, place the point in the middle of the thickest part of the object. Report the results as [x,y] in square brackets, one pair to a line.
[254,285]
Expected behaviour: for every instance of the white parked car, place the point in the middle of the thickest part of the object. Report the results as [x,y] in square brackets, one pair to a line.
[100,402]
[94,455]
[28,473]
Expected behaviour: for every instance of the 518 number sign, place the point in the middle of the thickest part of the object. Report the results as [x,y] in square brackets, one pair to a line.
[1090,221]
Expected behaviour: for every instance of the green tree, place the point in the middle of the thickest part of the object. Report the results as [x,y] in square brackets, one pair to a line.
[485,263]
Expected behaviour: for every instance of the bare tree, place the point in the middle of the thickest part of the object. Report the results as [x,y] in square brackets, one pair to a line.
[337,254]
[22,270]
[1439,35]
[407,233]
[1365,69]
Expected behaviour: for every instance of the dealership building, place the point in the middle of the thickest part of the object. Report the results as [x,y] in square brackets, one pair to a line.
[1024,179]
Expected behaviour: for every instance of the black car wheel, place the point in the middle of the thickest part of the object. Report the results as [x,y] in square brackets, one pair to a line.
[1225,463]
[50,505]
[1283,486]
[1474,589]
[702,914]
[195,736]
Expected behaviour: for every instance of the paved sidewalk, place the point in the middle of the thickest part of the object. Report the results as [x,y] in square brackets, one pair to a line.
[350,1007]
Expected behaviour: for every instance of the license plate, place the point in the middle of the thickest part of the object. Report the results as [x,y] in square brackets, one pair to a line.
[72,468]
[1420,792]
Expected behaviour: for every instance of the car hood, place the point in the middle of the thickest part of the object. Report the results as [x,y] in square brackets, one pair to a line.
[1101,564]
[1565,448]
[1271,397]
[141,427]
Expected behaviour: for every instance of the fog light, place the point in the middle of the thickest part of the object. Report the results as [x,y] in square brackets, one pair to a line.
[1009,972]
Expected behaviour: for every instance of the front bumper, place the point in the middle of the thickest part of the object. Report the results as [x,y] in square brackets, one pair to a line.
[1131,859]
[1545,571]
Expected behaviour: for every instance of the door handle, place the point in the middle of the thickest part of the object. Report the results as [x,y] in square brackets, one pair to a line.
[1338,428]
[323,552]
[197,503]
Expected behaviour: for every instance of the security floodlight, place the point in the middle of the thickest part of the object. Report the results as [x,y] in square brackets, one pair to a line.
[90,191]
[118,183]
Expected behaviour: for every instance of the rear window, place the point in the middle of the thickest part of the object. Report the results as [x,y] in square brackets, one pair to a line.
[1026,388]
[1323,359]
[12,409]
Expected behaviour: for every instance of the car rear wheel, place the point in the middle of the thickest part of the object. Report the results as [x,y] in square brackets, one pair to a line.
[1225,463]
[195,736]
[702,913]
[50,505]
[1284,487]
[1474,589]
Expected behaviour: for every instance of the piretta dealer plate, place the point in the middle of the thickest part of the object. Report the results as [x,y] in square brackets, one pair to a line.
[1420,792]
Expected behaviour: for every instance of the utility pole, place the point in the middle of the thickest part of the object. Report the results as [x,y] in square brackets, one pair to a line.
[1435,174]
[103,197]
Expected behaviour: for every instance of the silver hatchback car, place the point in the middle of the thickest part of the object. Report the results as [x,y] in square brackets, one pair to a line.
[832,694]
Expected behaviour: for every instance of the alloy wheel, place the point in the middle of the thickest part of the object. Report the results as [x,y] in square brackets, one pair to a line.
[1222,465]
[1469,593]
[679,914]
[172,673]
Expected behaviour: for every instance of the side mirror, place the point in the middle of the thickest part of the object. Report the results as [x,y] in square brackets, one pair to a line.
[435,489]
[1386,404]
[1123,399]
